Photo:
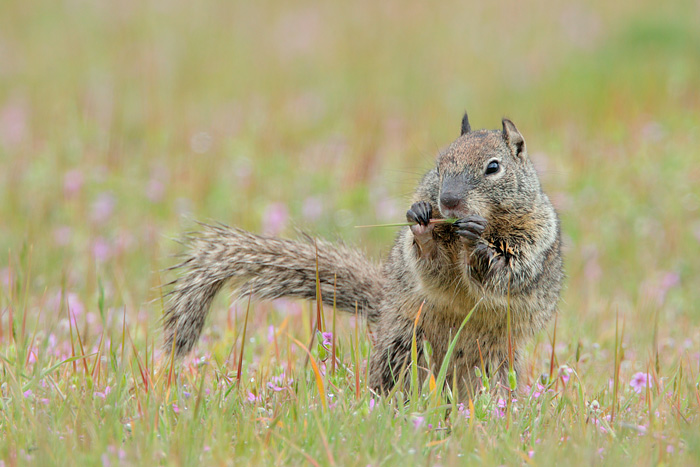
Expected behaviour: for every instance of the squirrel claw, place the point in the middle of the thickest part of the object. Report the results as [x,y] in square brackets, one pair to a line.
[492,257]
[420,213]
[470,228]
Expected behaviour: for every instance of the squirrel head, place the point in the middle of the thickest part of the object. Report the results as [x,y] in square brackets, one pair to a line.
[486,172]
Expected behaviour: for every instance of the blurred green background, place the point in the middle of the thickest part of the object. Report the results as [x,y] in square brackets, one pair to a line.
[123,122]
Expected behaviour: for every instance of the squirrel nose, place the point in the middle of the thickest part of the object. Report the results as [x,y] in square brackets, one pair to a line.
[449,200]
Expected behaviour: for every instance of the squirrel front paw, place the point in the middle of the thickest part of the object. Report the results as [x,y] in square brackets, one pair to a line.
[470,229]
[420,213]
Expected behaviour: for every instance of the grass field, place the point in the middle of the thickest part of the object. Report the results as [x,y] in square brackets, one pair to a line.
[121,123]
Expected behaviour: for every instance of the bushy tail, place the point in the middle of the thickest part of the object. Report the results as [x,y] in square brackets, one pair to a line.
[269,268]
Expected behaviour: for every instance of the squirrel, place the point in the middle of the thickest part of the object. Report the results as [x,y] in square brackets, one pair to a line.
[500,255]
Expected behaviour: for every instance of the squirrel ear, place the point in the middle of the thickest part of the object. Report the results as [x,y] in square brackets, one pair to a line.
[466,127]
[513,138]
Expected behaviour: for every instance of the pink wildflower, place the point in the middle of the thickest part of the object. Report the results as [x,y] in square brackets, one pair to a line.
[72,183]
[279,383]
[565,373]
[103,207]
[418,422]
[640,381]
[462,409]
[275,218]
[327,339]
[155,189]
[312,208]
[101,249]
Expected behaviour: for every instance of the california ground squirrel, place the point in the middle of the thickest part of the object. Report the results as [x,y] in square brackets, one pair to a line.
[504,249]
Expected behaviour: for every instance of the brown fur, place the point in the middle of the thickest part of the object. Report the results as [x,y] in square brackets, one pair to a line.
[514,259]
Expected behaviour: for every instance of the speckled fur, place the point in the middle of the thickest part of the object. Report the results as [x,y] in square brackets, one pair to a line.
[516,261]
[270,268]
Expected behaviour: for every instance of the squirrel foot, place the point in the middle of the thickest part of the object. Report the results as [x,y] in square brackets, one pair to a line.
[470,229]
[420,213]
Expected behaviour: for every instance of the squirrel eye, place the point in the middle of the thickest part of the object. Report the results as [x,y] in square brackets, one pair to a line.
[492,168]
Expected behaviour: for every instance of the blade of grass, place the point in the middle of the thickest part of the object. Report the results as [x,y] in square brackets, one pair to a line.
[320,319]
[324,440]
[144,374]
[335,285]
[54,367]
[448,355]
[80,341]
[95,366]
[70,327]
[414,356]
[317,373]
[554,343]
[405,224]
[172,360]
[311,460]
[357,354]
[240,357]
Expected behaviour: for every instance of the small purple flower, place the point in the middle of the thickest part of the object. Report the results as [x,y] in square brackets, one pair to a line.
[72,183]
[103,207]
[270,333]
[279,383]
[463,410]
[327,339]
[101,249]
[28,393]
[565,373]
[418,421]
[668,281]
[372,403]
[275,218]
[104,394]
[252,398]
[538,392]
[5,276]
[155,189]
[176,409]
[500,409]
[312,208]
[74,306]
[640,381]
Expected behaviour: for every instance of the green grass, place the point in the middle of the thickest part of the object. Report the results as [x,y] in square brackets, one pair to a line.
[121,123]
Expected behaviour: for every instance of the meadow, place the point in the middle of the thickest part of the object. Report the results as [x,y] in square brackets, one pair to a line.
[123,123]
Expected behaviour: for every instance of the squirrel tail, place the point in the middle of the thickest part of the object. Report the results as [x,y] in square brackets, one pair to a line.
[269,268]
